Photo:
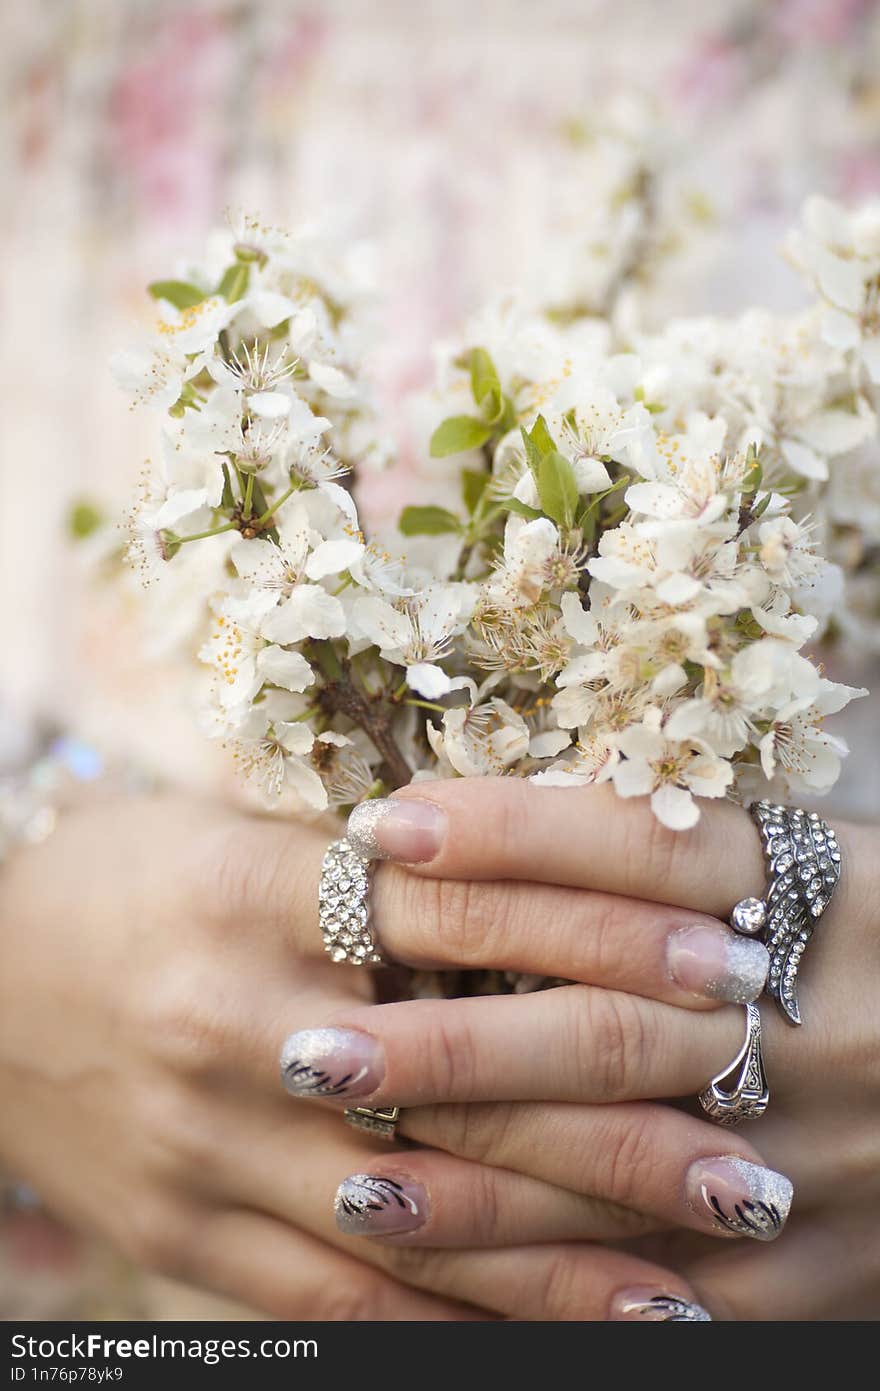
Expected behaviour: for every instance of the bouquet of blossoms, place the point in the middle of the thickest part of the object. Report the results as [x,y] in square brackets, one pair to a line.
[613,580]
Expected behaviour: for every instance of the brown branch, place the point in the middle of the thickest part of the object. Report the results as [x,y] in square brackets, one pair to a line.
[343,697]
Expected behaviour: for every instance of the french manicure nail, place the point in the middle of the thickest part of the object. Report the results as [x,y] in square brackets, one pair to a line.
[742,1198]
[717,964]
[646,1304]
[331,1062]
[397,828]
[372,1205]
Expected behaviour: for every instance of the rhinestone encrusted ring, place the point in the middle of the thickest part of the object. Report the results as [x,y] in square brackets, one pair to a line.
[803,870]
[344,908]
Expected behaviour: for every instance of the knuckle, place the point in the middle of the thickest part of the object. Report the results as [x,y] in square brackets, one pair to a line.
[611,1040]
[560,1290]
[483,1128]
[182,1141]
[485,1213]
[222,874]
[450,920]
[180,1010]
[157,1236]
[651,845]
[608,944]
[477,1131]
[449,1058]
[234,868]
[632,1160]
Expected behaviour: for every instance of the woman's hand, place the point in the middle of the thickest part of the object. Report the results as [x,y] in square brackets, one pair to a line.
[154,953]
[573,882]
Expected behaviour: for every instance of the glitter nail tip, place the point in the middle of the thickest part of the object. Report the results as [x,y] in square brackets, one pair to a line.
[361,830]
[375,1205]
[742,1198]
[644,1305]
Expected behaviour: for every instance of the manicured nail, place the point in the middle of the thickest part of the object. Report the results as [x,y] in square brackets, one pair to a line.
[718,964]
[371,1205]
[739,1197]
[331,1062]
[397,828]
[644,1303]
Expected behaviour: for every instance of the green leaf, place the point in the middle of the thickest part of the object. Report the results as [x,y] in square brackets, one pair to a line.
[557,488]
[234,282]
[485,386]
[538,442]
[83,519]
[761,507]
[473,485]
[177,292]
[427,521]
[457,434]
[522,509]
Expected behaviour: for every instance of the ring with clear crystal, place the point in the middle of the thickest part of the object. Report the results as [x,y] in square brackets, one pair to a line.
[803,870]
[344,907]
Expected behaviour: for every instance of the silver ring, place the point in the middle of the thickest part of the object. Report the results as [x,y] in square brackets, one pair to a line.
[381,1121]
[749,1096]
[344,907]
[803,870]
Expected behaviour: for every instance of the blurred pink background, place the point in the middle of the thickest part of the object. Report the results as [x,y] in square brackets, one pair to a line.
[455,135]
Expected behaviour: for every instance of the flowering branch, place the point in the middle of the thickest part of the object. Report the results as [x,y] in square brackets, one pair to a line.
[622,592]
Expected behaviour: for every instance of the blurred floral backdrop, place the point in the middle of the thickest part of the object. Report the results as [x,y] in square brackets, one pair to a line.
[479,147]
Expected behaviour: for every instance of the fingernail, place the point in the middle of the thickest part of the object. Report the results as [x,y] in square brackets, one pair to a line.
[718,964]
[739,1197]
[371,1205]
[397,828]
[331,1062]
[645,1303]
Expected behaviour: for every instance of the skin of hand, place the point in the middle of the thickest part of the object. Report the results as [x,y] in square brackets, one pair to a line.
[574,882]
[154,954]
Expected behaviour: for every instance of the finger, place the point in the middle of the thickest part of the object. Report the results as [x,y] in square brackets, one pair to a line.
[587,837]
[573,1043]
[648,1159]
[421,1196]
[259,876]
[825,1268]
[219,1023]
[564,1280]
[627,944]
[270,1266]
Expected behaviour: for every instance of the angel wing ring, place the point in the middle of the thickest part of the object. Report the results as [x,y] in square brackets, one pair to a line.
[803,870]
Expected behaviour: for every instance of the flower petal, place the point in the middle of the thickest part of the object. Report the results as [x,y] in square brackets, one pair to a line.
[287,669]
[675,807]
[428,680]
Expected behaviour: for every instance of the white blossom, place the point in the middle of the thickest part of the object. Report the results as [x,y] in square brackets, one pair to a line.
[612,581]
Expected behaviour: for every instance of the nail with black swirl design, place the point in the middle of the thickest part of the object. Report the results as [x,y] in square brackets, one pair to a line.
[643,1304]
[328,1063]
[374,1205]
[739,1197]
